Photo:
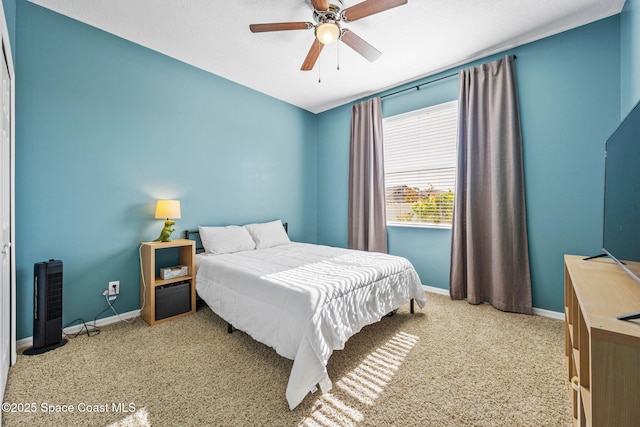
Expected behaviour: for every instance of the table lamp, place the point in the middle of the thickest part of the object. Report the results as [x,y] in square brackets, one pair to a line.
[169,209]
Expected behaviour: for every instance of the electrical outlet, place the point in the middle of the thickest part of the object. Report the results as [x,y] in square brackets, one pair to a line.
[114,287]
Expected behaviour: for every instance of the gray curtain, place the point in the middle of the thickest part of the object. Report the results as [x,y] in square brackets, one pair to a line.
[367,217]
[489,253]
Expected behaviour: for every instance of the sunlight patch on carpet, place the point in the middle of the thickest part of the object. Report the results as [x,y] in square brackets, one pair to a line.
[364,384]
[140,418]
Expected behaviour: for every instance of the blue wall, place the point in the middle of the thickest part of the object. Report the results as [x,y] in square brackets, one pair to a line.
[569,89]
[630,46]
[105,127]
[9,8]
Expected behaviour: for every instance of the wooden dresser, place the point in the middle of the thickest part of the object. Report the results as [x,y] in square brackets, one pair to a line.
[603,353]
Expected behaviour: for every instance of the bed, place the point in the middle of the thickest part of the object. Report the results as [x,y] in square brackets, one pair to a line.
[303,300]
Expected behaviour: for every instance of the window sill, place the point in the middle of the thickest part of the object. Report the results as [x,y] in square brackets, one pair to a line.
[418,225]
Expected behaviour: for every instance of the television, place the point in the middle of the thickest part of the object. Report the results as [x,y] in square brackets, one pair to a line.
[621,229]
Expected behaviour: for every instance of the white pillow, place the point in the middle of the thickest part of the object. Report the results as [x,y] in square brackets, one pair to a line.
[268,234]
[226,240]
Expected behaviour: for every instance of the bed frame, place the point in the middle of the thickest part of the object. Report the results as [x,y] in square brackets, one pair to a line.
[195,235]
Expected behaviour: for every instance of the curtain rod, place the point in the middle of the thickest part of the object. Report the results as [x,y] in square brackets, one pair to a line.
[417,87]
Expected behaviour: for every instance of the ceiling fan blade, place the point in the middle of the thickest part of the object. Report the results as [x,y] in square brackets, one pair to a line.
[369,7]
[356,43]
[312,56]
[280,26]
[320,4]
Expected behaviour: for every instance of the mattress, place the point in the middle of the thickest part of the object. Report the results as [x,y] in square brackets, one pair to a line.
[305,300]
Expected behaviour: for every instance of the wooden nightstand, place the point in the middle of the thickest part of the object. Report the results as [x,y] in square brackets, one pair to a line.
[174,295]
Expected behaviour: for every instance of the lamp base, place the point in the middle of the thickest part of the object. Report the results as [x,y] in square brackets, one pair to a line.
[165,234]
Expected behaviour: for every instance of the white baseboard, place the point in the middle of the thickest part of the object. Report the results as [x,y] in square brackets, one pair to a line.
[536,311]
[435,290]
[548,313]
[28,342]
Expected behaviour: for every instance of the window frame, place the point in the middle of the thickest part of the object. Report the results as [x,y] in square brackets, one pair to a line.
[408,115]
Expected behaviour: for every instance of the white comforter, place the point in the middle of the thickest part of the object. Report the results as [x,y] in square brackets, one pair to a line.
[305,300]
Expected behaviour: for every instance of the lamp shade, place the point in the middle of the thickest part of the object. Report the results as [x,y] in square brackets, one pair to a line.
[327,33]
[167,209]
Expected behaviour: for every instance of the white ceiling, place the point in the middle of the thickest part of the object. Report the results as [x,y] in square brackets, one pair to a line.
[416,40]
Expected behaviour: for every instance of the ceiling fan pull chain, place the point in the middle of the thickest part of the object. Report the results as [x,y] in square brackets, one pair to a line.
[319,72]
[338,56]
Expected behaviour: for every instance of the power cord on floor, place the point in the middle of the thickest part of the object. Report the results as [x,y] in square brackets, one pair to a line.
[85,330]
[110,300]
[94,330]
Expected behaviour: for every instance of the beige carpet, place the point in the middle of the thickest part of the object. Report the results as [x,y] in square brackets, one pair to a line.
[452,364]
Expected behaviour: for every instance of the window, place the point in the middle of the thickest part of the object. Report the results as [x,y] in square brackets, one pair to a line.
[420,165]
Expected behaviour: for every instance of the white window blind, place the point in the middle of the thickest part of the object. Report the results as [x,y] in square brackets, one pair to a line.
[420,165]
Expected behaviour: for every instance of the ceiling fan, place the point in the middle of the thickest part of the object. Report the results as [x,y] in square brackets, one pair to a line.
[328,16]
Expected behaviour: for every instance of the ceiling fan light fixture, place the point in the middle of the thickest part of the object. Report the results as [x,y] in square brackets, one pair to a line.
[327,32]
[328,15]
